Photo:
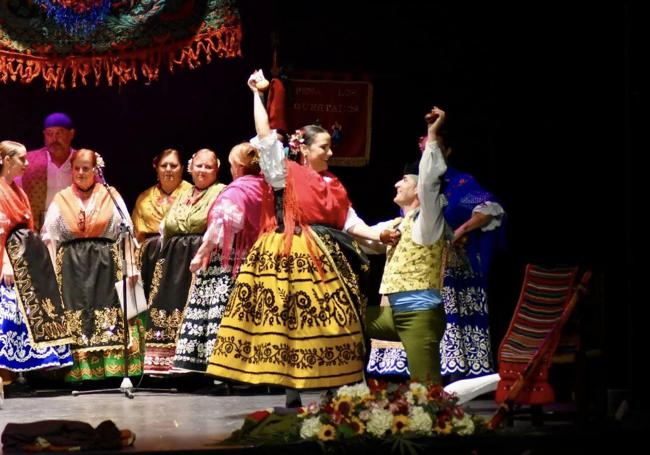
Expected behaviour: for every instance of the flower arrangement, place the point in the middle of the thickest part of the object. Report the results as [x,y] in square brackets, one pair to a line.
[378,411]
[296,140]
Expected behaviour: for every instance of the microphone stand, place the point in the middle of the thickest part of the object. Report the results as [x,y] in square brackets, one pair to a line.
[126,387]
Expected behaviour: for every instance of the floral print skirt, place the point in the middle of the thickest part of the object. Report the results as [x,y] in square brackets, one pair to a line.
[293,318]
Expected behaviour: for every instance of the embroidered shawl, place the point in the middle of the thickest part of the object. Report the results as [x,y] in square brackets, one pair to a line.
[188,215]
[83,222]
[151,207]
[128,41]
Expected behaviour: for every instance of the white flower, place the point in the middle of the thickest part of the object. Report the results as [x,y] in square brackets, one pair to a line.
[100,161]
[419,391]
[313,408]
[310,428]
[463,426]
[380,422]
[420,420]
[359,390]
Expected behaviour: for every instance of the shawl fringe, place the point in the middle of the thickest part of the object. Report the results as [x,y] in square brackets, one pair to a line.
[122,66]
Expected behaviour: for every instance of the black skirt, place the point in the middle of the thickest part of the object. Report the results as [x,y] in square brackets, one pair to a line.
[149,254]
[87,270]
[352,263]
[36,289]
[170,285]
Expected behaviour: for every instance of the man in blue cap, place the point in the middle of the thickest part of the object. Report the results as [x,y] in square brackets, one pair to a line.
[49,169]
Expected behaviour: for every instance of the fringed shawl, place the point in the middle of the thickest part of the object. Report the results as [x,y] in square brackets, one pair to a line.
[14,211]
[308,199]
[131,41]
[151,207]
[89,222]
[246,194]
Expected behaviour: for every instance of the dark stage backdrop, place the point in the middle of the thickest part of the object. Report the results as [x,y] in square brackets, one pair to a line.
[534,95]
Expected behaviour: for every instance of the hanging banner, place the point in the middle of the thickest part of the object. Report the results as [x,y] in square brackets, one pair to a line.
[69,43]
[343,108]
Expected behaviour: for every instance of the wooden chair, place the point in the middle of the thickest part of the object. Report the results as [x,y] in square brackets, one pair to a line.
[547,299]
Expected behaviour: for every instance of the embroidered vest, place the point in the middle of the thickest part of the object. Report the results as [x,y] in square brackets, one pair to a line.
[35,184]
[410,266]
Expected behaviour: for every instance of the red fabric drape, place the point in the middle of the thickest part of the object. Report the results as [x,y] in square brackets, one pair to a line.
[276,105]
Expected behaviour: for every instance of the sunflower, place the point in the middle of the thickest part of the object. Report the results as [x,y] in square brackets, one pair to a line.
[327,433]
[343,405]
[443,427]
[357,425]
[400,424]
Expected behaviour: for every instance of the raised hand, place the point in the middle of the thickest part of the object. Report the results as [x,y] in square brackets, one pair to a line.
[257,82]
[435,119]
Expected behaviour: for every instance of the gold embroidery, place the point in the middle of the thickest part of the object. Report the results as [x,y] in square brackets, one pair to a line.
[107,329]
[117,260]
[107,326]
[58,270]
[155,281]
[75,324]
[45,327]
[169,323]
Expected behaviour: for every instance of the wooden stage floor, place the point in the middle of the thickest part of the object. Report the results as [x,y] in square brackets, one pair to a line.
[194,422]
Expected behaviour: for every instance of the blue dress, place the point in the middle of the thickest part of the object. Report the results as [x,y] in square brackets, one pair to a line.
[16,351]
[465,347]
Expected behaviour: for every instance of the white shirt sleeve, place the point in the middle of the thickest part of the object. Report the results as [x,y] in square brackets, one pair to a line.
[373,246]
[272,159]
[430,224]
[492,209]
[225,211]
[50,232]
[351,218]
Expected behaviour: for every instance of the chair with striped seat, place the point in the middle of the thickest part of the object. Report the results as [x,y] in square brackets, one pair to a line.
[547,298]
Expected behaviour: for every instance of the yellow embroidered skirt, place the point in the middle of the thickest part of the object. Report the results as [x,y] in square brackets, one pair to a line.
[286,323]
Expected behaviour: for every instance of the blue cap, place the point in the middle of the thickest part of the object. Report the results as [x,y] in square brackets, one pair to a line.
[58,119]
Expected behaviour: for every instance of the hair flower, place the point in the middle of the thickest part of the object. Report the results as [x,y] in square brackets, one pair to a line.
[295,140]
[99,160]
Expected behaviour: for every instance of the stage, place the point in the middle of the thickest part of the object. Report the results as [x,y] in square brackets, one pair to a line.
[195,422]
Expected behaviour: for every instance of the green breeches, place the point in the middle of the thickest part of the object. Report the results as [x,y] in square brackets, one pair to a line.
[420,333]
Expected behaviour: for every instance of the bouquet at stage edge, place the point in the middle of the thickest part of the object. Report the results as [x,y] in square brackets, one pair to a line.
[377,411]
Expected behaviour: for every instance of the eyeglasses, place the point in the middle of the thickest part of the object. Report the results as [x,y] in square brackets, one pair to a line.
[81,220]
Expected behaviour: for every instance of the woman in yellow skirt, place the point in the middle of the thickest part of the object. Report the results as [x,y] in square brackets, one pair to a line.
[294,317]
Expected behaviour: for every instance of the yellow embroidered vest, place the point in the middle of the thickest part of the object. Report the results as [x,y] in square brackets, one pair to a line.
[410,266]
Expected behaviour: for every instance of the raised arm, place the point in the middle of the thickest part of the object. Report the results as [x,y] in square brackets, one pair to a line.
[272,160]
[429,226]
[257,82]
